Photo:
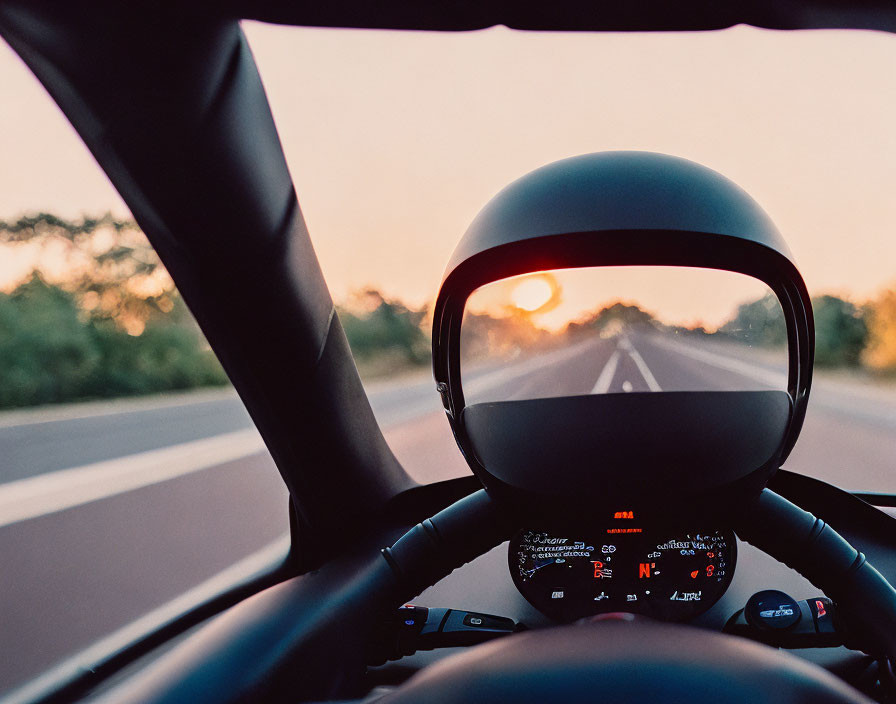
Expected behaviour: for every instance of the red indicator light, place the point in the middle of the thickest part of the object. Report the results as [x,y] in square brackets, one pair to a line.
[601,572]
[710,555]
[819,608]
[624,514]
[709,570]
[694,574]
[644,569]
[624,530]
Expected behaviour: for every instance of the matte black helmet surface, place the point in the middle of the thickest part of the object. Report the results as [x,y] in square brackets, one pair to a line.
[647,449]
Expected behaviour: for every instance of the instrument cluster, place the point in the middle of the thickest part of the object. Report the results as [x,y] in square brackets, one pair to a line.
[669,575]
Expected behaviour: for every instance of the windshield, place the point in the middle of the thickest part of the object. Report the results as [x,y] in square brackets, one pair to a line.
[133,483]
[396,140]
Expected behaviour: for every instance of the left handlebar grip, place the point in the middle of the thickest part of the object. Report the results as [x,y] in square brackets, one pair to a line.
[436,547]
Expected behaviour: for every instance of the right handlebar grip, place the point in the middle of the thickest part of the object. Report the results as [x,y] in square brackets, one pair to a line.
[866,600]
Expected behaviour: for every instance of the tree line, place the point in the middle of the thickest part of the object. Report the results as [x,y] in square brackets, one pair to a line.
[846,334]
[101,318]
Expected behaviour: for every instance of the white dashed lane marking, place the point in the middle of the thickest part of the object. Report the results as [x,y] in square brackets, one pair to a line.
[607,373]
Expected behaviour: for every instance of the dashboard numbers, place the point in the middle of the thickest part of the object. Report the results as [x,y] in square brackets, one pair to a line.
[568,575]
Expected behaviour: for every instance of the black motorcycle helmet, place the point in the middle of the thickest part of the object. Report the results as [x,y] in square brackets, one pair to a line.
[587,451]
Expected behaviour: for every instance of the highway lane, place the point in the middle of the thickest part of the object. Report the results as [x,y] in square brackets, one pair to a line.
[73,575]
[151,520]
[47,439]
[41,440]
[849,437]
[637,361]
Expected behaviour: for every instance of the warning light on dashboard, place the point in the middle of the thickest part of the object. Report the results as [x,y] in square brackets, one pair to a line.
[819,608]
[694,574]
[624,514]
[644,569]
[600,571]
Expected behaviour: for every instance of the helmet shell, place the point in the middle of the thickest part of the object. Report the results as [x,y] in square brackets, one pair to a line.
[612,209]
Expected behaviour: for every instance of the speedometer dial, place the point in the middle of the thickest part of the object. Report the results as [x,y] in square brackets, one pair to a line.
[671,576]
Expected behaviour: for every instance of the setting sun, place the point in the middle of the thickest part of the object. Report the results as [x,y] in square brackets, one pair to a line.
[532,293]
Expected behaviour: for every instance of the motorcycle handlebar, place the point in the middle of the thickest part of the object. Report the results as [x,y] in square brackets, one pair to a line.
[865,599]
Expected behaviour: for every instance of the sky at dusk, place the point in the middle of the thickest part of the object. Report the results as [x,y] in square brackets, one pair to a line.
[674,295]
[396,140]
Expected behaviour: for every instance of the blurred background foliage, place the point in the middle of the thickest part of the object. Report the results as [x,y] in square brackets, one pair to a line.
[386,336]
[843,333]
[880,319]
[100,318]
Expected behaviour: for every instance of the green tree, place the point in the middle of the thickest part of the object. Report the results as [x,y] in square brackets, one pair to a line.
[841,332]
[611,319]
[47,352]
[112,325]
[385,327]
[110,267]
[630,315]
[760,322]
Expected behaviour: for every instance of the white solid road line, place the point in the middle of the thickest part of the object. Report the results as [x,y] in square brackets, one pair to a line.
[603,382]
[772,378]
[626,344]
[55,491]
[606,375]
[644,369]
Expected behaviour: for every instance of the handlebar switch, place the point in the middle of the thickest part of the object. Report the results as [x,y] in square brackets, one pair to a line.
[772,610]
[414,628]
[822,610]
[777,619]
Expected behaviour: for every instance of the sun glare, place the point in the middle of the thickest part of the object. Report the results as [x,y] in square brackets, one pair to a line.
[532,293]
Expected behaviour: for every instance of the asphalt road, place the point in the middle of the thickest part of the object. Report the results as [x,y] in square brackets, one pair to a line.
[108,511]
